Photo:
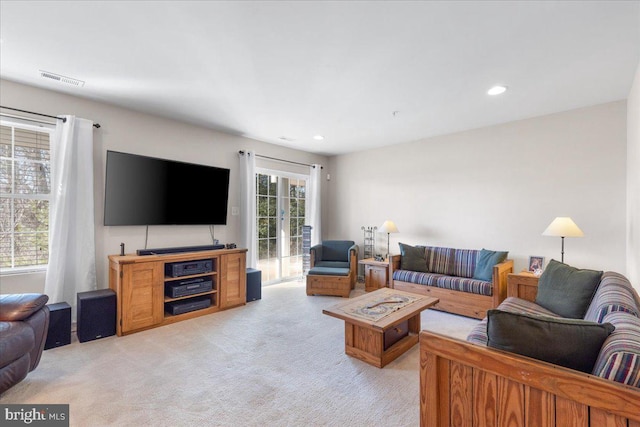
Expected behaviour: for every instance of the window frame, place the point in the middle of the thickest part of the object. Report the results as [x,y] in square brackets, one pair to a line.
[16,123]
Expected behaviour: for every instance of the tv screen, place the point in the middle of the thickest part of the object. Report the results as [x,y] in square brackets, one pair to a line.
[142,190]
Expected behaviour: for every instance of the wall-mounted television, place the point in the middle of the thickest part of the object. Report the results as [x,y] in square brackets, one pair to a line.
[141,190]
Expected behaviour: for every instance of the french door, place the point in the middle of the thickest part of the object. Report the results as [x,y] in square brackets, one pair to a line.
[280,215]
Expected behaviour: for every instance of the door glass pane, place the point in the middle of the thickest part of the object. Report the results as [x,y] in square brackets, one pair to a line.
[280,216]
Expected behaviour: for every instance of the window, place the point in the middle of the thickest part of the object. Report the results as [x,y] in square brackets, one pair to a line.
[25,187]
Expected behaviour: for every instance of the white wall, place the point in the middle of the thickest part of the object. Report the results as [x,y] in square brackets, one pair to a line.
[134,132]
[496,187]
[633,182]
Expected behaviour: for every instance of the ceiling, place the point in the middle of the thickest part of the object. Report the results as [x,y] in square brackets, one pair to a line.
[362,74]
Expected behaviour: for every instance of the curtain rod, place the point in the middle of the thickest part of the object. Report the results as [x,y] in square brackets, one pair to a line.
[64,119]
[281,160]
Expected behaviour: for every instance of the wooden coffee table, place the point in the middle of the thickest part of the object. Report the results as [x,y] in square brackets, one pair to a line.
[381,325]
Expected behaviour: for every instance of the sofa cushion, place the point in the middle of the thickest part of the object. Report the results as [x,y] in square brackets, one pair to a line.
[619,358]
[462,284]
[566,290]
[332,264]
[17,340]
[328,271]
[464,262]
[614,293]
[336,250]
[486,260]
[570,343]
[440,260]
[413,258]
[20,306]
[478,334]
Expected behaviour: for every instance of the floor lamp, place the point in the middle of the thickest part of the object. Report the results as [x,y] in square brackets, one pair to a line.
[388,227]
[563,227]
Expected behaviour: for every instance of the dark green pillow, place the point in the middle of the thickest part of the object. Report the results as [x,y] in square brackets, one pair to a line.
[566,290]
[485,262]
[570,343]
[413,258]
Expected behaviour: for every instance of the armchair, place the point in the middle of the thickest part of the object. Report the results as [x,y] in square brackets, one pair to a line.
[334,265]
[24,323]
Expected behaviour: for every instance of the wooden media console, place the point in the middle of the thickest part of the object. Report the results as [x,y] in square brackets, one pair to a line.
[139,283]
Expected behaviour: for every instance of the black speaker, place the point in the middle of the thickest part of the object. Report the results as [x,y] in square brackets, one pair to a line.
[96,314]
[254,284]
[59,332]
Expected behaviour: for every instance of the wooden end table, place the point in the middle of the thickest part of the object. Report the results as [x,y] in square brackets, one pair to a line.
[365,339]
[522,285]
[376,274]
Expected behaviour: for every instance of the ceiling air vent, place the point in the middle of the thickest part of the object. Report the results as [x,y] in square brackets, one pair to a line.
[61,79]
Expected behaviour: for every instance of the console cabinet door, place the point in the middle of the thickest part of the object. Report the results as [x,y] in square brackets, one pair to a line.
[233,280]
[142,295]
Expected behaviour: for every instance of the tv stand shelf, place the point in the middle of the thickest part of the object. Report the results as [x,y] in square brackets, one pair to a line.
[139,284]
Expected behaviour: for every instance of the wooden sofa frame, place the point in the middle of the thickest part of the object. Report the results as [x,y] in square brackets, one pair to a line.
[465,384]
[458,302]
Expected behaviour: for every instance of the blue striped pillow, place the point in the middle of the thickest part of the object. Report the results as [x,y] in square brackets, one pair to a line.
[619,358]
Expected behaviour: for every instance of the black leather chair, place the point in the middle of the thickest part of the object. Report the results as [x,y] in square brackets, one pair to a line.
[24,323]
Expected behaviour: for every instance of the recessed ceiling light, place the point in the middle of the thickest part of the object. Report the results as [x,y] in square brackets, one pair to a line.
[318,137]
[497,90]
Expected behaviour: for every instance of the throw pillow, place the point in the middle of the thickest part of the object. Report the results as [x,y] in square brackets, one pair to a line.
[413,258]
[486,260]
[566,290]
[570,343]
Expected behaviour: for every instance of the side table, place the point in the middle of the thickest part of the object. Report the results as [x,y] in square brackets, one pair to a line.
[522,285]
[376,274]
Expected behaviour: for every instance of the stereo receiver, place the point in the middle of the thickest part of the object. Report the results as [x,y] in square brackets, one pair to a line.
[183,288]
[185,306]
[178,269]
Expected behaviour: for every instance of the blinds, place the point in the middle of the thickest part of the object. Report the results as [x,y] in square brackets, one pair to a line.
[25,176]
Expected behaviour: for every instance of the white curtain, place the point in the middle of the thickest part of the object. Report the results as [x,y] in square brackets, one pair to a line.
[72,259]
[314,215]
[248,206]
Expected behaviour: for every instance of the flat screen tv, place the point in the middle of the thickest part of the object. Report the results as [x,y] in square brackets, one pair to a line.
[142,190]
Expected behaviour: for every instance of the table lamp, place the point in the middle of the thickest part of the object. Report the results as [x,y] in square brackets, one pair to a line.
[388,227]
[562,227]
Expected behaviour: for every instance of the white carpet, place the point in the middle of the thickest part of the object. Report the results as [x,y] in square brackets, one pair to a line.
[277,361]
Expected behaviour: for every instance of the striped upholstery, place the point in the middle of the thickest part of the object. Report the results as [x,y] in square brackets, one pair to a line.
[478,334]
[613,294]
[464,262]
[446,282]
[449,269]
[440,260]
[616,302]
[619,358]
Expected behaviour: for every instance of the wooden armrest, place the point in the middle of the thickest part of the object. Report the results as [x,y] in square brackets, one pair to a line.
[500,274]
[449,366]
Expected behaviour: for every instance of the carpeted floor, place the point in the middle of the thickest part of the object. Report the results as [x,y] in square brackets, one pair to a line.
[277,361]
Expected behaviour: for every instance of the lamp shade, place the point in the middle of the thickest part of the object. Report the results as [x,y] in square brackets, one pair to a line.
[563,226]
[388,227]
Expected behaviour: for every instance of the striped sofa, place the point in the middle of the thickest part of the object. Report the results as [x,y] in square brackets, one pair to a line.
[450,279]
[615,302]
[470,383]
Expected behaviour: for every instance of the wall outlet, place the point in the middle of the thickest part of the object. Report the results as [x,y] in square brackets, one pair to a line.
[235,211]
